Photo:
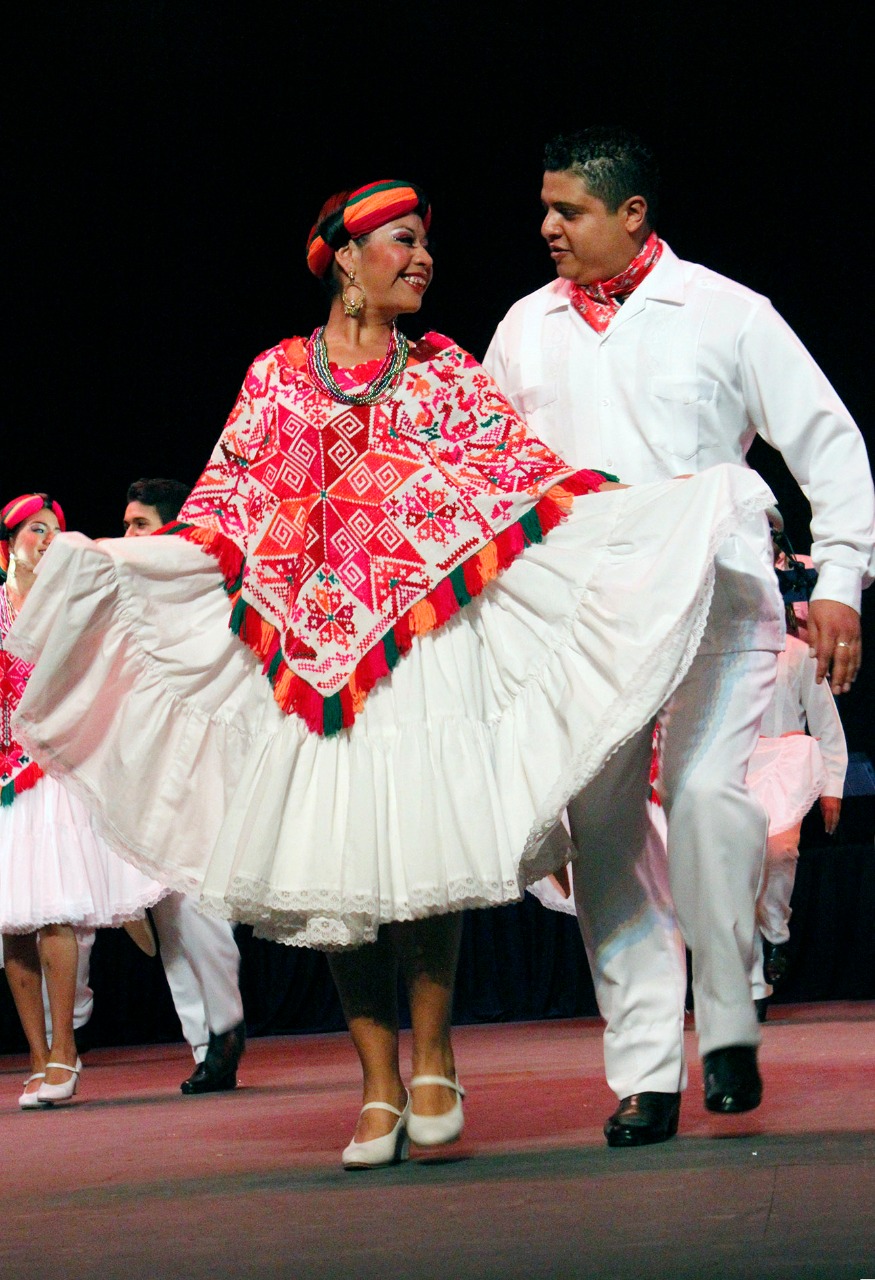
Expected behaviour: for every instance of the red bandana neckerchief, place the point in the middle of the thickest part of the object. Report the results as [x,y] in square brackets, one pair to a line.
[597,302]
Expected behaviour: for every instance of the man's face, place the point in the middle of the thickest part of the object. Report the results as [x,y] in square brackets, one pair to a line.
[141,520]
[585,240]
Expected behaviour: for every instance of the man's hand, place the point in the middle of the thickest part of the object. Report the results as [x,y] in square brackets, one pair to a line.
[831,808]
[834,639]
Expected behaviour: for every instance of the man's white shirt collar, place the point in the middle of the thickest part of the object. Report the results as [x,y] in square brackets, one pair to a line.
[665,283]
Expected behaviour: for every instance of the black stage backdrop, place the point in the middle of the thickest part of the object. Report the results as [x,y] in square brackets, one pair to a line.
[163,163]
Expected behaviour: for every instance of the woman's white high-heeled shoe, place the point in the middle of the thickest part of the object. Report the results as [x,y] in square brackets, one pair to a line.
[51,1093]
[28,1101]
[437,1131]
[390,1149]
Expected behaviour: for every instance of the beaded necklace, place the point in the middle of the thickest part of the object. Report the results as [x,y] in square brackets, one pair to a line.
[385,380]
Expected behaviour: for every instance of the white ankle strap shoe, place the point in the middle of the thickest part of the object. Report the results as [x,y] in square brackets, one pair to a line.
[390,1149]
[437,1131]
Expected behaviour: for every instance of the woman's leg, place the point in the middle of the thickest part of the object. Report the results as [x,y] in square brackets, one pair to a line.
[24,973]
[59,956]
[367,982]
[429,954]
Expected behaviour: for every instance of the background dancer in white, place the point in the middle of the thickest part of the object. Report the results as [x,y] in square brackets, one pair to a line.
[801,756]
[199,954]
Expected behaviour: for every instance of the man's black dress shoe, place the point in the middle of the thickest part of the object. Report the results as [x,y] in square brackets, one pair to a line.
[776,961]
[643,1118]
[218,1071]
[732,1080]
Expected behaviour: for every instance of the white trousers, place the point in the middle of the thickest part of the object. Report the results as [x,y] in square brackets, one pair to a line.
[779,877]
[630,901]
[773,901]
[202,964]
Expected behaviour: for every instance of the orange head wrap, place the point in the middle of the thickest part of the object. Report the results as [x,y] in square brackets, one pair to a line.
[353,214]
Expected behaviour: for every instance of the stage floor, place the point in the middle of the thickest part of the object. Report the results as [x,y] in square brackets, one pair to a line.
[136,1182]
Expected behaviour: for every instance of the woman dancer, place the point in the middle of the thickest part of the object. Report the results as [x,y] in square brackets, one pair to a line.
[440,647]
[55,872]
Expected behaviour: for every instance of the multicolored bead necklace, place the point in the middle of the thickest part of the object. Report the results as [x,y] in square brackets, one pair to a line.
[385,380]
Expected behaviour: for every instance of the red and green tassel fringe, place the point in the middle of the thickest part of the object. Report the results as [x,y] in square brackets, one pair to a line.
[23,781]
[328,715]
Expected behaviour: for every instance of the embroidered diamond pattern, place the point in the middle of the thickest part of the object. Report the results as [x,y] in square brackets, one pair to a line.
[350,514]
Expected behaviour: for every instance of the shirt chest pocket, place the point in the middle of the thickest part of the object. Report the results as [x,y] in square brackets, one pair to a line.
[681,404]
[527,400]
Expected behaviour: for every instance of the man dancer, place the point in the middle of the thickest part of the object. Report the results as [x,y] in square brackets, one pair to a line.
[199,954]
[641,364]
[798,704]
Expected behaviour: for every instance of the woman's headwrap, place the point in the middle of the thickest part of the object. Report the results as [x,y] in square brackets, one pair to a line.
[359,213]
[18,510]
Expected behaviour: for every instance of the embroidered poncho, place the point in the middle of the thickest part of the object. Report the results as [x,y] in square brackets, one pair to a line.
[18,770]
[345,530]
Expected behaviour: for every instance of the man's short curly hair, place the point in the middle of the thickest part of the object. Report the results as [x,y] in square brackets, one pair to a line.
[614,163]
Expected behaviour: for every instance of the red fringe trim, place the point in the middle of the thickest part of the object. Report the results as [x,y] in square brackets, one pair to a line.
[328,714]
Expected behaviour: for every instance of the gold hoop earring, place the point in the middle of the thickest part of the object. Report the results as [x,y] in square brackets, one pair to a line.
[352,307]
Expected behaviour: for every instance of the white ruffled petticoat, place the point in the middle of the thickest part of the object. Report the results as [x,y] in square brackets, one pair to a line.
[444,793]
[786,775]
[55,868]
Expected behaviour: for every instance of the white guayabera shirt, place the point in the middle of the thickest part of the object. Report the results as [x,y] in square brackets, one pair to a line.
[689,370]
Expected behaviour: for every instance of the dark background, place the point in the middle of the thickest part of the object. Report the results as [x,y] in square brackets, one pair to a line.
[163,163]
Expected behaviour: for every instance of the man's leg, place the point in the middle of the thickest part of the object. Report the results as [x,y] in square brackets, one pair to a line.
[773,912]
[205,964]
[215,959]
[716,843]
[627,921]
[773,904]
[185,989]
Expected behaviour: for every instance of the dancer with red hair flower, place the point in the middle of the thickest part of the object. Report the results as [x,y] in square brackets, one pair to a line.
[55,871]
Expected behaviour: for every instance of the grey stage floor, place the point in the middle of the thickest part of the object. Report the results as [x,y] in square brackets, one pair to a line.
[135,1182]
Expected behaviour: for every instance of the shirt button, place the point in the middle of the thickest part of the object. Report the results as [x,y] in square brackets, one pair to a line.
[609,462]
[606,403]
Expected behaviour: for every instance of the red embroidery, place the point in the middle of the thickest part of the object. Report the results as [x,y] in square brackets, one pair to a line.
[18,772]
[336,525]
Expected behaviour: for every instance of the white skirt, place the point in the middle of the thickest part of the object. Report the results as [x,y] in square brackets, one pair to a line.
[55,868]
[446,791]
[786,775]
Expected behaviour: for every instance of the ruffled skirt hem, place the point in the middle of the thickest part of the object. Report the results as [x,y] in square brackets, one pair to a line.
[786,775]
[55,868]
[445,794]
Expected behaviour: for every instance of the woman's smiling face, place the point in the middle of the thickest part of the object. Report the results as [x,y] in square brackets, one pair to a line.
[392,265]
[33,537]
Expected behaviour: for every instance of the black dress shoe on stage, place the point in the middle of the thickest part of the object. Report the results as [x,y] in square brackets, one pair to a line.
[643,1118]
[732,1079]
[218,1071]
[776,961]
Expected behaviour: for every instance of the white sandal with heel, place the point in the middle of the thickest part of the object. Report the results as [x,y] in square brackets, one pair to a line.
[377,1152]
[437,1131]
[51,1093]
[29,1101]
